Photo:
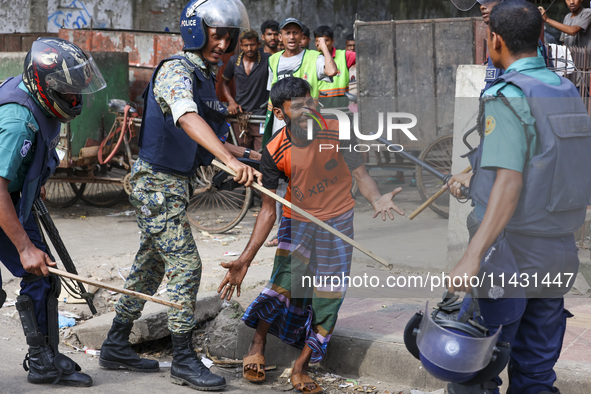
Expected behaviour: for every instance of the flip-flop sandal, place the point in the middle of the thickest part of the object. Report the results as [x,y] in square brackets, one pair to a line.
[254,375]
[300,381]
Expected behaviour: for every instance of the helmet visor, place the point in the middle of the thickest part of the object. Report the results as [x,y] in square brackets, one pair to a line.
[453,351]
[221,13]
[84,78]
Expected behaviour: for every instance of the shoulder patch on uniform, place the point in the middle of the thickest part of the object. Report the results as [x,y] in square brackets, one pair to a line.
[490,125]
[26,147]
[31,126]
[187,82]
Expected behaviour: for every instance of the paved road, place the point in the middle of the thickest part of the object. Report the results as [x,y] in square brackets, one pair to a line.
[103,242]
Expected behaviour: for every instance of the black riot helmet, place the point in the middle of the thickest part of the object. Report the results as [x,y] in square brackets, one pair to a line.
[58,73]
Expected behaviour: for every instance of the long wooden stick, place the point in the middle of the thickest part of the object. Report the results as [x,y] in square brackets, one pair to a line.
[143,296]
[309,216]
[433,198]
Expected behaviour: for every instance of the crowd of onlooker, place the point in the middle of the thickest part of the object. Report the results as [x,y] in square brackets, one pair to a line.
[283,50]
[247,76]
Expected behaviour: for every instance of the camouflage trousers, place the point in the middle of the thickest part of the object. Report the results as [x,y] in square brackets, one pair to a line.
[166,248]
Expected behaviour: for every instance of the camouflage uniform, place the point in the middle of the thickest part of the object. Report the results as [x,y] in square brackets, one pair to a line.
[160,199]
[173,85]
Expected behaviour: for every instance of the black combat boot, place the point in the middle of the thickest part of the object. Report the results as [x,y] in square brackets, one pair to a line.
[116,351]
[44,362]
[2,297]
[188,369]
[46,367]
[455,388]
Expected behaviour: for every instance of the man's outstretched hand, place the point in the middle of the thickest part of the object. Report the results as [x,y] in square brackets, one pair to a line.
[385,206]
[233,279]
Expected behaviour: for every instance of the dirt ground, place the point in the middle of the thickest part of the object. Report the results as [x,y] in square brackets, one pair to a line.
[103,241]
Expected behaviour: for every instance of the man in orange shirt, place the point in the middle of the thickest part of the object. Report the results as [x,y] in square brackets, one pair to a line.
[319,181]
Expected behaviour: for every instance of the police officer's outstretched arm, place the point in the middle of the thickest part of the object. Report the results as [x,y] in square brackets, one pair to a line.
[34,261]
[199,130]
[501,206]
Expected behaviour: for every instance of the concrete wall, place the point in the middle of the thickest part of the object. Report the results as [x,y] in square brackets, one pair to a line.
[158,15]
[11,64]
[410,67]
[25,16]
[101,14]
[469,82]
[15,15]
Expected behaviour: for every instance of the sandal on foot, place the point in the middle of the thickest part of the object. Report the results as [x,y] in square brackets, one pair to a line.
[254,375]
[300,381]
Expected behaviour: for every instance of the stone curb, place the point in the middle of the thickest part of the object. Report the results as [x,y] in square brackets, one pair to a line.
[151,326]
[389,361]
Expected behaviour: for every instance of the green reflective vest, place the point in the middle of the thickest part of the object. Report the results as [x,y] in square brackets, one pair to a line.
[307,71]
[340,82]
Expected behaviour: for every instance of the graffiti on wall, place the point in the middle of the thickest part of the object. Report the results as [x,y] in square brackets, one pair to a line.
[72,16]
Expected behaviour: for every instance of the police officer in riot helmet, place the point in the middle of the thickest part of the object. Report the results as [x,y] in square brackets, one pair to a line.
[32,107]
[183,127]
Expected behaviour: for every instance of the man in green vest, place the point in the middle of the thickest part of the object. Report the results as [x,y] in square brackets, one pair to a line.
[332,95]
[294,61]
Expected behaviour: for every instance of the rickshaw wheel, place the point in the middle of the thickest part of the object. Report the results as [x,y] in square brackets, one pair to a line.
[213,210]
[126,184]
[60,194]
[105,194]
[438,155]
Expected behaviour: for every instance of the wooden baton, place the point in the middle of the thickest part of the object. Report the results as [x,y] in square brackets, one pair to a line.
[309,216]
[433,198]
[132,293]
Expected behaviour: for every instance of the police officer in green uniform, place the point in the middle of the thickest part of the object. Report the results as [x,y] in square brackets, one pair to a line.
[531,186]
[183,127]
[32,108]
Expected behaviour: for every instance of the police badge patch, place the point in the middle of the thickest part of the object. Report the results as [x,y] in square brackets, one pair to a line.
[491,124]
[26,147]
[188,83]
